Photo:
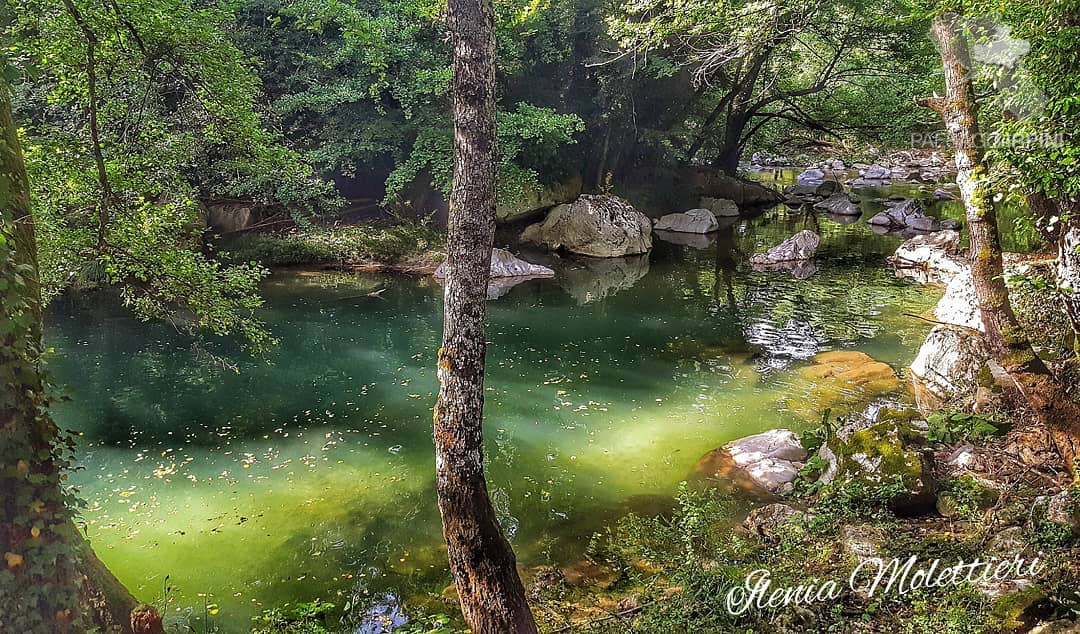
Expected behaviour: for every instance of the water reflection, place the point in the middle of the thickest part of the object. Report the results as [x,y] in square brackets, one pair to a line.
[309,474]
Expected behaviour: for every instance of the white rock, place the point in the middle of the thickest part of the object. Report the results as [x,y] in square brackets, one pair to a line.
[506,264]
[772,459]
[948,364]
[937,255]
[601,226]
[959,306]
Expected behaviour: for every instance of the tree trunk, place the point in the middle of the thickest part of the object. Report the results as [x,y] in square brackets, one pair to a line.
[1005,338]
[55,582]
[491,593]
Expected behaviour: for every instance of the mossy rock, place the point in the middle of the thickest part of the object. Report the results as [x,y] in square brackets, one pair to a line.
[1018,610]
[885,456]
[964,496]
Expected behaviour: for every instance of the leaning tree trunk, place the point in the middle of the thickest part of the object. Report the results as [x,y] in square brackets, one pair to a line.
[481,560]
[1005,338]
[53,581]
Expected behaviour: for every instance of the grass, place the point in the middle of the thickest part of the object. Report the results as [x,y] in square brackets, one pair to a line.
[339,246]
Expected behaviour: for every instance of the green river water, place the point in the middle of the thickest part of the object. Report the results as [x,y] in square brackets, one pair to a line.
[310,473]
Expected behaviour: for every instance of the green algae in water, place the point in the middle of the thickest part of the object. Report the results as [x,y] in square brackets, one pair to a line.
[310,474]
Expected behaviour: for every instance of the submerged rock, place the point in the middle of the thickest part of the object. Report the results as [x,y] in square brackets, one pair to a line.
[601,226]
[585,573]
[839,204]
[799,269]
[854,369]
[801,246]
[693,221]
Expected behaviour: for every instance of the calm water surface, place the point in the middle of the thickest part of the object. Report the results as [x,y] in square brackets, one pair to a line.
[310,473]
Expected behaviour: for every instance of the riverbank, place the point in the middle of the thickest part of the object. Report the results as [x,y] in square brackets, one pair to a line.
[374,247]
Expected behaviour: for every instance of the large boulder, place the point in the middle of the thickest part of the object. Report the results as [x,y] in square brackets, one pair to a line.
[801,246]
[936,257]
[959,306]
[602,226]
[767,462]
[887,457]
[876,173]
[693,221]
[948,364]
[839,204]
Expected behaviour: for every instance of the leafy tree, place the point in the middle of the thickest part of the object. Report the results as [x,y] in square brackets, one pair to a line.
[757,64]
[136,113]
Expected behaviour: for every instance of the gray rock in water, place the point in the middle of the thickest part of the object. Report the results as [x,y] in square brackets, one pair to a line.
[811,176]
[877,173]
[839,204]
[907,214]
[692,240]
[506,264]
[951,225]
[693,221]
[601,226]
[721,207]
[801,246]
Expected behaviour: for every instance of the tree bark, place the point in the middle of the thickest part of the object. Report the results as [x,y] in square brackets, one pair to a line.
[56,583]
[484,569]
[1006,339]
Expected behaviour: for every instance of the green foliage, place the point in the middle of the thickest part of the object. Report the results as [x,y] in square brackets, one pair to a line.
[952,427]
[956,611]
[364,87]
[846,501]
[338,245]
[177,122]
[302,618]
